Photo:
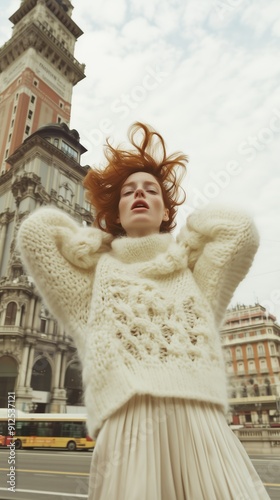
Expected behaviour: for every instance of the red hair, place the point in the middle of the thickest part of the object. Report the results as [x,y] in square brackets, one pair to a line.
[149,155]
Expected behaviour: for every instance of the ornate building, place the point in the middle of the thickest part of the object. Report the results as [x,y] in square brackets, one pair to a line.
[38,359]
[251,343]
[40,164]
[37,71]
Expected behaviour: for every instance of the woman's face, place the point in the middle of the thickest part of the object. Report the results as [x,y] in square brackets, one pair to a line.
[141,206]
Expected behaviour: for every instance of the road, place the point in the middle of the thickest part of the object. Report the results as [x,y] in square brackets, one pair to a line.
[54,475]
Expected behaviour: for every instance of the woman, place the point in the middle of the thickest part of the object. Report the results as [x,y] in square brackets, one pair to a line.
[144,310]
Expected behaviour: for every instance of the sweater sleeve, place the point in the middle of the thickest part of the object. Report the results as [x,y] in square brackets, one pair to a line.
[221,243]
[61,256]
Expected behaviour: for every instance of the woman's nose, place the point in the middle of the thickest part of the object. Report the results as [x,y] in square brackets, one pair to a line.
[139,193]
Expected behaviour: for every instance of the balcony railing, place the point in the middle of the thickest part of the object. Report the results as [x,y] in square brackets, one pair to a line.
[11,330]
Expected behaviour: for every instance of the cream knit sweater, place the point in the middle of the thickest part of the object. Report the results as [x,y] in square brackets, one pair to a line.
[144,312]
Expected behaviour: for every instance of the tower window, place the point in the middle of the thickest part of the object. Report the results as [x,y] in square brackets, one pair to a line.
[11,313]
[32,99]
[27,129]
[30,113]
[69,151]
[35,83]
[43,325]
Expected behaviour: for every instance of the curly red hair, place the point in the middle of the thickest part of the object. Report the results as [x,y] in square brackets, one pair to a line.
[103,185]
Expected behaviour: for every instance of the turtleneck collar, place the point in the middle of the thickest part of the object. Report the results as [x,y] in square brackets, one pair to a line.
[157,254]
[141,249]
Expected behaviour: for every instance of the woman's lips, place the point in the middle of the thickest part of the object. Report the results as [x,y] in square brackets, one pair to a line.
[140,205]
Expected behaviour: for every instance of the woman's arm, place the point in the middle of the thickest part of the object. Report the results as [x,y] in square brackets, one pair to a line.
[61,256]
[221,244]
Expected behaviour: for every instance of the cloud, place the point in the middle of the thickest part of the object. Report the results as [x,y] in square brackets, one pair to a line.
[139,31]
[262,17]
[99,12]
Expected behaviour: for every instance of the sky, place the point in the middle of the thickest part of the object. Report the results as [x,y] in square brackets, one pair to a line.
[205,74]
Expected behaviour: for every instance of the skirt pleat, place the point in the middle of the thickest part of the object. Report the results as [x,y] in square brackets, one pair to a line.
[171,449]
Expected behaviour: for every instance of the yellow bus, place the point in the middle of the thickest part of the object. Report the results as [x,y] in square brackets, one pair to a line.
[51,430]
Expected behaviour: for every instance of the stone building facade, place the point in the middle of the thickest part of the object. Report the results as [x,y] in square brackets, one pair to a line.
[251,344]
[37,359]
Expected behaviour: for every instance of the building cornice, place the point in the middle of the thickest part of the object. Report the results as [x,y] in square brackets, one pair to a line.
[5,177]
[31,144]
[22,285]
[55,8]
[35,35]
[252,400]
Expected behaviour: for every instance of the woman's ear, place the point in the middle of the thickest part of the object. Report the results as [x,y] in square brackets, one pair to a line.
[166,214]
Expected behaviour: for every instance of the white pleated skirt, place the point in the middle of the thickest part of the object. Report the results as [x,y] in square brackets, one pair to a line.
[171,449]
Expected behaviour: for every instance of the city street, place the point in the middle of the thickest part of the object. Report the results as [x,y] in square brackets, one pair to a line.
[53,475]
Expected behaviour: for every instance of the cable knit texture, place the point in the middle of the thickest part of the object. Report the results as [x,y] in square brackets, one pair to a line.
[144,312]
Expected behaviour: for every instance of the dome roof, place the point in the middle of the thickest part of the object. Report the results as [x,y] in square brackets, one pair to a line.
[59,127]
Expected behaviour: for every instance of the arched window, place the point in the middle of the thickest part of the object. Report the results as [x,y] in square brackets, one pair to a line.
[249,350]
[240,367]
[41,375]
[11,313]
[238,352]
[272,349]
[260,350]
[252,366]
[263,364]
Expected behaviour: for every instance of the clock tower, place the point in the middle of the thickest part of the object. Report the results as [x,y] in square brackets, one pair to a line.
[37,71]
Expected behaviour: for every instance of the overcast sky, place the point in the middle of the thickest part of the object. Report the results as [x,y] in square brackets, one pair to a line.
[205,74]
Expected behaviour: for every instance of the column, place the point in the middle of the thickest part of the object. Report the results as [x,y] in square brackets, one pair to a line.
[30,313]
[23,365]
[50,327]
[3,234]
[30,366]
[18,316]
[56,379]
[63,370]
[36,320]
